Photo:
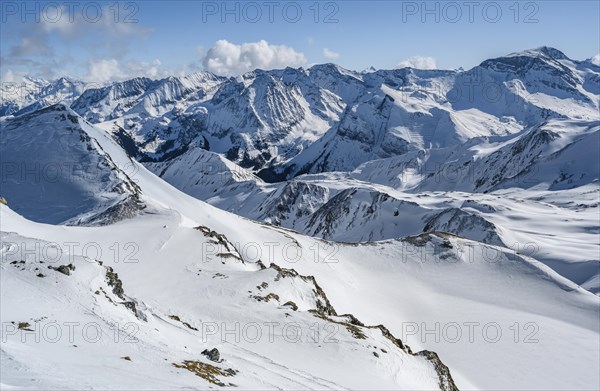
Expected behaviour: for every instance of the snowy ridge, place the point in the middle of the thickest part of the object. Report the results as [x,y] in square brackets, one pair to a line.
[180,227]
[389,229]
[55,171]
[33,94]
[225,279]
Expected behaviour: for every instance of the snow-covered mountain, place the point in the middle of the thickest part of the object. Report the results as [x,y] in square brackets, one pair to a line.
[344,215]
[283,123]
[74,288]
[526,120]
[190,278]
[55,171]
[31,94]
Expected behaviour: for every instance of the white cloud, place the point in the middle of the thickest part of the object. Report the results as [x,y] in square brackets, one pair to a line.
[9,76]
[104,70]
[32,52]
[31,46]
[330,54]
[112,70]
[226,58]
[419,62]
[596,59]
[144,69]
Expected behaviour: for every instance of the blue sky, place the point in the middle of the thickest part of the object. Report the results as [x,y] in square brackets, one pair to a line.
[115,40]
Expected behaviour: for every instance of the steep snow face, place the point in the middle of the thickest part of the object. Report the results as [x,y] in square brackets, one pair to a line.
[53,171]
[360,215]
[556,155]
[530,86]
[361,135]
[98,104]
[212,174]
[143,97]
[290,205]
[148,115]
[269,117]
[468,225]
[342,82]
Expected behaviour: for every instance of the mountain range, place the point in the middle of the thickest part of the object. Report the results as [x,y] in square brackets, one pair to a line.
[410,197]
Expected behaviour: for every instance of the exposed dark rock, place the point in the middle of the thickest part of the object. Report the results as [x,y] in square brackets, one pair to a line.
[323,304]
[24,326]
[213,354]
[222,240]
[64,269]
[207,372]
[261,265]
[130,305]
[267,298]
[113,281]
[446,382]
[186,324]
[326,312]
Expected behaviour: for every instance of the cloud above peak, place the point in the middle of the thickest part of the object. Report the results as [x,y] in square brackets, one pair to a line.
[419,62]
[330,54]
[109,70]
[226,58]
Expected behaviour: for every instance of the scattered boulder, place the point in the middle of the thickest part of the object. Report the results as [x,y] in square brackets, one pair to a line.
[64,269]
[213,354]
[267,298]
[261,265]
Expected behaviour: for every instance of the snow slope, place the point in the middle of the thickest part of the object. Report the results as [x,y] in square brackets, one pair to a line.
[184,261]
[53,171]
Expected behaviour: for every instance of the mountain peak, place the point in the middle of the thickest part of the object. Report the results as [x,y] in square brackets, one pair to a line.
[542,51]
[543,57]
[370,69]
[552,52]
[332,68]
